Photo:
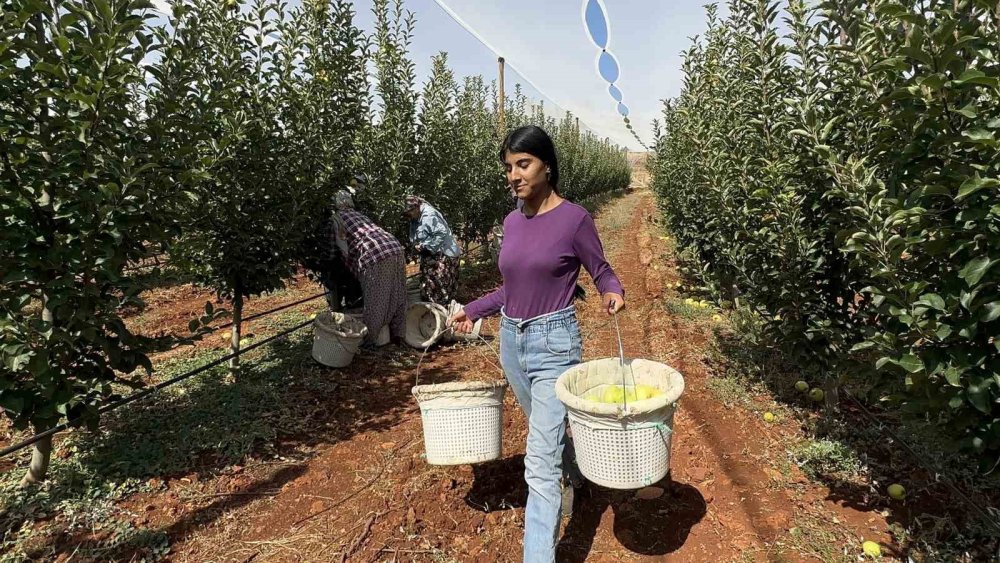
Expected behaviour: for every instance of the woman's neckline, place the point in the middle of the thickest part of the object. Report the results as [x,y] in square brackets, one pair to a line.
[557,206]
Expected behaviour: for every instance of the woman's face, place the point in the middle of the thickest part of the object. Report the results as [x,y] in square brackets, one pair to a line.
[525,174]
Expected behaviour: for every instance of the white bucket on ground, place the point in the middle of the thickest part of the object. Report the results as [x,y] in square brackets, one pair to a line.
[621,446]
[336,338]
[463,421]
[425,324]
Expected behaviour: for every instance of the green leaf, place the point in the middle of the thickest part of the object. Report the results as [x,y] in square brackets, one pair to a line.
[193,325]
[891,10]
[975,269]
[968,111]
[932,300]
[860,346]
[967,297]
[973,185]
[979,136]
[991,312]
[934,81]
[911,363]
[943,331]
[979,395]
[49,68]
[953,376]
[974,76]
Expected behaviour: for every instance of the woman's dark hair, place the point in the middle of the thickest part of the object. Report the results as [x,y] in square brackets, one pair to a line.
[536,142]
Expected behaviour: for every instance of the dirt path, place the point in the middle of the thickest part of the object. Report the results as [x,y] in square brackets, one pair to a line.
[364,492]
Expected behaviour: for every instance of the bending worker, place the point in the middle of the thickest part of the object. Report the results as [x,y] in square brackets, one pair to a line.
[377,260]
[439,253]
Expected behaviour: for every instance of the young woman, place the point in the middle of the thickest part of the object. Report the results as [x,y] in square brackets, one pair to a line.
[439,253]
[545,243]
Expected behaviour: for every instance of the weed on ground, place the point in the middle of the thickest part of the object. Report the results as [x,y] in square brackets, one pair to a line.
[856,458]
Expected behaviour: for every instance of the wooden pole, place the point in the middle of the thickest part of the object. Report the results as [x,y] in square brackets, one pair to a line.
[501,103]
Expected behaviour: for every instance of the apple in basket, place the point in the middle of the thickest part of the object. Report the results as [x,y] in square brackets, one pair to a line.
[618,394]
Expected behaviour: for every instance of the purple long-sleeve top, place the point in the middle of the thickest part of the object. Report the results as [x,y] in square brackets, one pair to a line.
[540,262]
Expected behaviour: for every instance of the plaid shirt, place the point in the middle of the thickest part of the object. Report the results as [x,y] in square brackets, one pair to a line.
[367,242]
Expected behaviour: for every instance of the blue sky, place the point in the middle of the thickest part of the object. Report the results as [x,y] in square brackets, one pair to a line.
[546,41]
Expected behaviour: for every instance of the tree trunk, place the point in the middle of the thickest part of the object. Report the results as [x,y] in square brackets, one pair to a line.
[40,455]
[831,395]
[41,452]
[234,346]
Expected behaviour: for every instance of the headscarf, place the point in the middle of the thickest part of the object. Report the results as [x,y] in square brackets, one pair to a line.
[413,202]
[343,200]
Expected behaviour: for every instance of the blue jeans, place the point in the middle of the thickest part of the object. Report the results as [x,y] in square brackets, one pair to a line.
[534,353]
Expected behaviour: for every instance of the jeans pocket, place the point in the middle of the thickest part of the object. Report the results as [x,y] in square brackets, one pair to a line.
[559,340]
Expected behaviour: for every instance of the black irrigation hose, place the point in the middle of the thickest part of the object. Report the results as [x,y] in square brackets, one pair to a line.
[920,460]
[275,310]
[136,396]
[149,390]
[282,308]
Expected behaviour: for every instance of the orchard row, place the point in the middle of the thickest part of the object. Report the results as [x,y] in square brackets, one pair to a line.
[844,182]
[219,137]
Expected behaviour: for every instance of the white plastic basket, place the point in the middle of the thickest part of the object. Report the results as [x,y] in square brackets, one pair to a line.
[463,421]
[425,324]
[336,338]
[625,445]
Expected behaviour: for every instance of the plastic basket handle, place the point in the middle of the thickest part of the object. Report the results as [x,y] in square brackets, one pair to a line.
[621,359]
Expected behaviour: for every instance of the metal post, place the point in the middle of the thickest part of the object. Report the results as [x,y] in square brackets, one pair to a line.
[501,103]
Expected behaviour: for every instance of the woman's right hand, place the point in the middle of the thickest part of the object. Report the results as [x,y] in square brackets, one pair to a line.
[460,322]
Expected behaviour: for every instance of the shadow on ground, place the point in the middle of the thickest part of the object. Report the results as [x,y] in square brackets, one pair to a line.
[498,485]
[646,527]
[282,404]
[932,514]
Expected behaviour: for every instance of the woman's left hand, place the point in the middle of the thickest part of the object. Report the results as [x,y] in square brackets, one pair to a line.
[461,322]
[613,303]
